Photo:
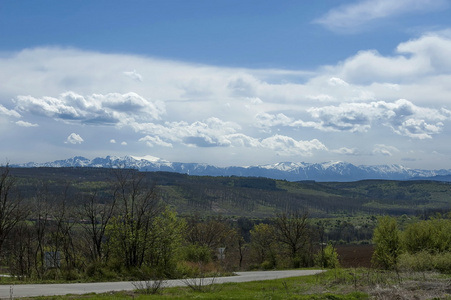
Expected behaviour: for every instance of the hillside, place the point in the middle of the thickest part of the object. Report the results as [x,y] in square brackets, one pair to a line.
[249,196]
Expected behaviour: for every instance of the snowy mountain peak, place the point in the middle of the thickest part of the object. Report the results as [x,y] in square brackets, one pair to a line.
[292,171]
[146,157]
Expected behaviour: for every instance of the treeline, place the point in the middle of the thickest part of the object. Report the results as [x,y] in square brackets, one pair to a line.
[125,230]
[422,246]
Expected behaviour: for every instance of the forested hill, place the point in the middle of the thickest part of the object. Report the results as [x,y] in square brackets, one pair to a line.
[246,196]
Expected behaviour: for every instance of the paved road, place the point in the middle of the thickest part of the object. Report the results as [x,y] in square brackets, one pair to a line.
[32,290]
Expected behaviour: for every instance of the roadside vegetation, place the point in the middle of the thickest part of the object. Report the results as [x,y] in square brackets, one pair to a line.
[350,284]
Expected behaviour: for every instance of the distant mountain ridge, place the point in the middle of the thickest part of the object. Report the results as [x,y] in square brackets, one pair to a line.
[291,171]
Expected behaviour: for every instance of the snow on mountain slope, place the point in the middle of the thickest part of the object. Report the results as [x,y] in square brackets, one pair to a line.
[292,171]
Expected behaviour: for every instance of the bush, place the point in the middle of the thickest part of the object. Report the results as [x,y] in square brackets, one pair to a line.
[327,258]
[197,253]
[418,262]
[267,265]
[442,262]
[425,261]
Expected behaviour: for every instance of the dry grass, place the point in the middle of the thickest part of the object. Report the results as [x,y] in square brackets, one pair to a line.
[413,286]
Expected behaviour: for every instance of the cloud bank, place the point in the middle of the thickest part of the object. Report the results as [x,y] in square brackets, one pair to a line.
[365,106]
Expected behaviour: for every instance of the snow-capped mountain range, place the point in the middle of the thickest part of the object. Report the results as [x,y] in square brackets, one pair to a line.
[327,171]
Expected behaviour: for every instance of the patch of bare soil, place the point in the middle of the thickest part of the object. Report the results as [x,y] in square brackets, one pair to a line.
[355,256]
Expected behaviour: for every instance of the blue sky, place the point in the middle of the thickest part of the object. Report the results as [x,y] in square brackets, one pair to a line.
[227,82]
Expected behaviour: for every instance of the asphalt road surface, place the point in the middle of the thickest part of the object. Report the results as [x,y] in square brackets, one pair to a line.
[32,290]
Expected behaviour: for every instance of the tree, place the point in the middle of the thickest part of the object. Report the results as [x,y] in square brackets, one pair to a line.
[138,205]
[98,216]
[262,244]
[292,232]
[11,208]
[212,233]
[388,243]
[163,243]
[41,212]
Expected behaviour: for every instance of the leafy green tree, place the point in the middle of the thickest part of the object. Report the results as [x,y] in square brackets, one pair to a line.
[263,244]
[164,242]
[388,242]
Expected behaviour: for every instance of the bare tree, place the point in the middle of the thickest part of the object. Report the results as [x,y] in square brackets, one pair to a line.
[98,215]
[11,209]
[41,212]
[292,231]
[211,233]
[63,236]
[138,203]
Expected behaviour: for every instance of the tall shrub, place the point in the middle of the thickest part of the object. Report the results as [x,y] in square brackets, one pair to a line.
[388,245]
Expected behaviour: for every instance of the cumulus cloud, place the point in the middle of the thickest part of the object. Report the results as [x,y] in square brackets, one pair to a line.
[124,144]
[285,145]
[426,56]
[214,132]
[402,116]
[113,141]
[8,112]
[351,17]
[26,124]
[152,141]
[266,120]
[74,138]
[346,151]
[112,108]
[209,133]
[385,150]
[217,107]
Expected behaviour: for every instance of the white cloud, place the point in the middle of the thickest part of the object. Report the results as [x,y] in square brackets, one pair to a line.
[285,145]
[124,144]
[346,151]
[385,150]
[8,112]
[74,138]
[352,17]
[404,117]
[209,133]
[113,141]
[109,109]
[152,141]
[134,75]
[425,57]
[334,81]
[266,120]
[208,110]
[26,124]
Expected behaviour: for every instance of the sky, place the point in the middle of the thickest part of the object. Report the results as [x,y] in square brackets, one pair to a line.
[226,82]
